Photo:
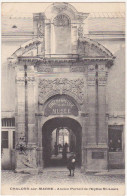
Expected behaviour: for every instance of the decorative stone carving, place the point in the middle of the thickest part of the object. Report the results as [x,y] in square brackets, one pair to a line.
[61,20]
[80,31]
[80,18]
[44,69]
[102,75]
[20,80]
[40,30]
[101,67]
[31,79]
[60,7]
[73,88]
[77,69]
[90,48]
[28,159]
[91,67]
[91,75]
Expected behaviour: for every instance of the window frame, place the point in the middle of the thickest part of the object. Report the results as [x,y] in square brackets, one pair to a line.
[116,128]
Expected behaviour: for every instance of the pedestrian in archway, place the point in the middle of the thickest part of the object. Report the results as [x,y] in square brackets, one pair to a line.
[71,164]
[64,153]
[56,149]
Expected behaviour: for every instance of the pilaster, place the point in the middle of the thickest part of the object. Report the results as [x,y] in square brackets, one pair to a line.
[102,127]
[20,112]
[47,38]
[39,119]
[31,104]
[91,82]
[74,37]
[84,120]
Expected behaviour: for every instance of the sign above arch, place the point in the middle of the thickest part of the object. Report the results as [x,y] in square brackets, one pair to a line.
[61,105]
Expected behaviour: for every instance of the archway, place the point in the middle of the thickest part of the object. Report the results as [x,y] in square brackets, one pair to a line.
[74,142]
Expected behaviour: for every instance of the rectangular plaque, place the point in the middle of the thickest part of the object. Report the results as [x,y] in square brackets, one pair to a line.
[97,155]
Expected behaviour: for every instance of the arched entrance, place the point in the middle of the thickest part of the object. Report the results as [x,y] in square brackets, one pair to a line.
[71,138]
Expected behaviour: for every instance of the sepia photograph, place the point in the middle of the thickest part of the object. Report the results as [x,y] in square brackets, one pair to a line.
[63,98]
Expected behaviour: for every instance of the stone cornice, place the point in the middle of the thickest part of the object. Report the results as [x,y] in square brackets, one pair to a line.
[82,58]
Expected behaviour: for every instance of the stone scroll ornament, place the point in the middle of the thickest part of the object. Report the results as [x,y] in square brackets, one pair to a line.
[74,88]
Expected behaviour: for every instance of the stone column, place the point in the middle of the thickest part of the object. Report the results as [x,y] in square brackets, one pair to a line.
[102,128]
[31,153]
[31,105]
[97,133]
[53,42]
[84,119]
[35,24]
[74,37]
[47,38]
[40,165]
[20,115]
[102,117]
[91,81]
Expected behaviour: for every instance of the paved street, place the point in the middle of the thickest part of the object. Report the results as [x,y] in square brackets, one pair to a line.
[60,176]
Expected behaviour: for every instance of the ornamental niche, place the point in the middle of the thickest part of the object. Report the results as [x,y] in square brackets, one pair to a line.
[74,88]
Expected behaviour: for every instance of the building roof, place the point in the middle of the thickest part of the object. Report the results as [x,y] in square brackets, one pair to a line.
[106,21]
[107,15]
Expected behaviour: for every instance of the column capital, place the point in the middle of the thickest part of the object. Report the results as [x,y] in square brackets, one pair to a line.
[91,75]
[20,80]
[102,74]
[30,80]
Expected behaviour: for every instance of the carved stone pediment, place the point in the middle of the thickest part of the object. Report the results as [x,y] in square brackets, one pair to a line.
[48,88]
[90,48]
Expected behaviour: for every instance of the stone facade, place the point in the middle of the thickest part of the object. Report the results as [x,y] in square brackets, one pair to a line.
[79,74]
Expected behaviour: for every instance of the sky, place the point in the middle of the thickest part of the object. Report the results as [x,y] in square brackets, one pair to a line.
[27,9]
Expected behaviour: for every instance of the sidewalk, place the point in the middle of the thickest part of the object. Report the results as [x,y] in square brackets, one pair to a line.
[112,172]
[60,176]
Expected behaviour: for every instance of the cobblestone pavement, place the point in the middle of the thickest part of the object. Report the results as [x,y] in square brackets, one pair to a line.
[59,177]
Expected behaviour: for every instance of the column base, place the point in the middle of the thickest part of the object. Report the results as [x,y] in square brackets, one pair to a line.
[96,171]
[97,159]
[82,170]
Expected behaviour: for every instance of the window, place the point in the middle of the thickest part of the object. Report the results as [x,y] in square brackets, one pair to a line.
[61,20]
[61,36]
[4,139]
[8,122]
[115,138]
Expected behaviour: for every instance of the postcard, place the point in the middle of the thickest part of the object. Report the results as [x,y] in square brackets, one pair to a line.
[63,98]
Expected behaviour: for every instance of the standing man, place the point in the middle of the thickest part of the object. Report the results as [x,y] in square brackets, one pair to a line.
[56,149]
[71,164]
[64,153]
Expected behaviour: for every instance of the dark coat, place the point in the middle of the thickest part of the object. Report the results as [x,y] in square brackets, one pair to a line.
[71,164]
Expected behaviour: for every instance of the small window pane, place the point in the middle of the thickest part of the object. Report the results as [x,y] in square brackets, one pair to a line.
[5,139]
[5,135]
[4,143]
